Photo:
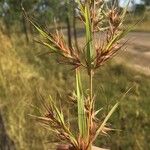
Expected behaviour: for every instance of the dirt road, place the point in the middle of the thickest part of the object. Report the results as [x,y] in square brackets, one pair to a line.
[137,53]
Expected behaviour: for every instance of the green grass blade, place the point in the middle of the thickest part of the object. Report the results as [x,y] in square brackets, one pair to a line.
[96,112]
[62,121]
[53,49]
[80,6]
[44,35]
[100,128]
[114,40]
[118,37]
[58,113]
[82,122]
[89,51]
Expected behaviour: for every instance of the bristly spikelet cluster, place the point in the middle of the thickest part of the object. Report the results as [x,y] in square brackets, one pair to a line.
[97,19]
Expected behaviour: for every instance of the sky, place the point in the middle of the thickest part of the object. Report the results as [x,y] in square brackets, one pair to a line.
[123,3]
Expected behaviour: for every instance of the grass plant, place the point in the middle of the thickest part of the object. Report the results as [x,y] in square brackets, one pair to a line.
[96,17]
[22,73]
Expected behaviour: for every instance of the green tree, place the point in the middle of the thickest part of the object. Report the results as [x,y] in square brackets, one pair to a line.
[42,10]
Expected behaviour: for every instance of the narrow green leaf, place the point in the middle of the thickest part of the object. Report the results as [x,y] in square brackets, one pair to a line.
[60,116]
[89,51]
[118,37]
[58,113]
[43,33]
[49,46]
[80,6]
[100,128]
[82,122]
[115,38]
[96,112]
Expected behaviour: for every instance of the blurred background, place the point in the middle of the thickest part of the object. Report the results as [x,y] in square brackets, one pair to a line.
[25,73]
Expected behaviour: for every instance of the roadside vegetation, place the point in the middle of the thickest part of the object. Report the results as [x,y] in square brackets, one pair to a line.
[142,21]
[24,74]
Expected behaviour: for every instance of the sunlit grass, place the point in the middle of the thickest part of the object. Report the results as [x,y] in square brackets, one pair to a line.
[24,74]
[142,21]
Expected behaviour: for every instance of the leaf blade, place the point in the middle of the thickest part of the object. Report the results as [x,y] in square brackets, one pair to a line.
[82,122]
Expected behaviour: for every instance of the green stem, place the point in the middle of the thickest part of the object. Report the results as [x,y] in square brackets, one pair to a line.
[90,121]
[91,85]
